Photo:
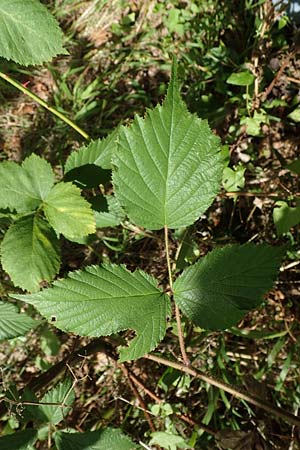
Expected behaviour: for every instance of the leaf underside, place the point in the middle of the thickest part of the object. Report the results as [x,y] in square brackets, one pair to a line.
[108,439]
[30,252]
[216,292]
[13,323]
[168,167]
[99,301]
[24,187]
[29,33]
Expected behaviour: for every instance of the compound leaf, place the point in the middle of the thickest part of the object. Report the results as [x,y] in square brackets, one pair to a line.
[97,153]
[168,166]
[68,212]
[217,291]
[285,217]
[24,187]
[30,252]
[13,323]
[108,439]
[29,33]
[99,301]
[20,440]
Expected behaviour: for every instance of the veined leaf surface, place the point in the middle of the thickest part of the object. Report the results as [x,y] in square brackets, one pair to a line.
[20,440]
[24,187]
[99,301]
[29,33]
[168,166]
[217,291]
[98,153]
[108,439]
[30,252]
[13,323]
[68,212]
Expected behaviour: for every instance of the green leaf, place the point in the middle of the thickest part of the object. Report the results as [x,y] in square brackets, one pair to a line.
[222,287]
[88,176]
[24,187]
[285,217]
[107,210]
[241,78]
[233,179]
[20,440]
[108,439]
[294,166]
[68,212]
[295,115]
[30,252]
[29,33]
[63,394]
[97,153]
[168,441]
[13,323]
[99,301]
[168,166]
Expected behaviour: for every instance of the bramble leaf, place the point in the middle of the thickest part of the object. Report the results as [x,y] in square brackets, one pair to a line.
[68,212]
[168,166]
[97,153]
[217,291]
[108,439]
[13,323]
[63,394]
[99,301]
[26,27]
[20,440]
[24,187]
[285,217]
[30,252]
[107,210]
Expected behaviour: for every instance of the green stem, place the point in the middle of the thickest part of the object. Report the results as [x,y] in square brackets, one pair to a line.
[177,312]
[266,406]
[44,104]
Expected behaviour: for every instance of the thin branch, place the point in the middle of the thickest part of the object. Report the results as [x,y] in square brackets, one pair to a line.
[266,406]
[44,104]
[177,312]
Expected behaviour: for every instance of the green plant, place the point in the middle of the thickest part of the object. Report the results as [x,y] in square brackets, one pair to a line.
[166,171]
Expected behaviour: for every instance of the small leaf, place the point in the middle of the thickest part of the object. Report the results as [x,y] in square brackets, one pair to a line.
[168,166]
[217,291]
[168,441]
[97,153]
[108,439]
[285,217]
[24,187]
[68,212]
[99,301]
[241,78]
[63,394]
[294,166]
[20,440]
[107,210]
[30,252]
[233,179]
[29,33]
[295,115]
[13,323]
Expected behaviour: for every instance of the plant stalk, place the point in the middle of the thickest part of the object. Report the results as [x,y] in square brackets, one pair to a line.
[44,104]
[177,312]
[266,406]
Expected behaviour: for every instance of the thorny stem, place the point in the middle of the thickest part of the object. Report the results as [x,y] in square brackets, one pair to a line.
[45,105]
[177,312]
[266,406]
